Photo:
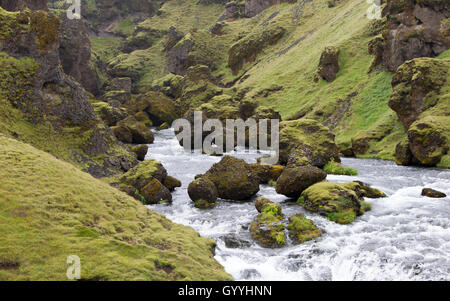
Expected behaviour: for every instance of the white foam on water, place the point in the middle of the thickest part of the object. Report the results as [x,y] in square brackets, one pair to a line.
[404,237]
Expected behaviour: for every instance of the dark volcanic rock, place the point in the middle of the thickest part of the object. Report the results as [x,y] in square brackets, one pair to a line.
[293,181]
[431,193]
[16,5]
[415,28]
[233,178]
[203,189]
[329,63]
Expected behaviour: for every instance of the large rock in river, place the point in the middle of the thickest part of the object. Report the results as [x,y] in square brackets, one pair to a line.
[293,181]
[268,228]
[233,178]
[306,142]
[338,202]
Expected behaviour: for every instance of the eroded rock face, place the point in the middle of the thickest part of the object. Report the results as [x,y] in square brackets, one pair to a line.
[50,95]
[421,103]
[306,142]
[246,49]
[414,85]
[233,179]
[16,5]
[329,63]
[293,181]
[254,7]
[75,53]
[429,139]
[415,28]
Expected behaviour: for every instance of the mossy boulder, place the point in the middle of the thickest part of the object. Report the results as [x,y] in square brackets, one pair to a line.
[144,118]
[431,193]
[416,88]
[122,134]
[143,173]
[159,107]
[233,179]
[268,228]
[140,134]
[306,142]
[171,183]
[337,202]
[402,153]
[266,172]
[293,181]
[203,189]
[429,139]
[329,63]
[364,190]
[155,192]
[109,114]
[261,203]
[302,229]
[140,151]
[171,85]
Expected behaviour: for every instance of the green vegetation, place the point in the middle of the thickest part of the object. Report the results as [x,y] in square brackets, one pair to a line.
[302,229]
[337,169]
[338,202]
[50,210]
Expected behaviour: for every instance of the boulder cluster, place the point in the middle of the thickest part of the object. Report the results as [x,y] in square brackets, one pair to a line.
[149,183]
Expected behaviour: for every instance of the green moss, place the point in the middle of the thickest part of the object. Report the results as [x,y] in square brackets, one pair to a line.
[338,202]
[46,28]
[302,229]
[344,217]
[337,169]
[51,210]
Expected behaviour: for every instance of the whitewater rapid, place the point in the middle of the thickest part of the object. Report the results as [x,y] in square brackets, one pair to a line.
[404,237]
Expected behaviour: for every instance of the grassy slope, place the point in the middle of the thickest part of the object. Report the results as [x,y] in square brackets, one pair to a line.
[344,26]
[50,210]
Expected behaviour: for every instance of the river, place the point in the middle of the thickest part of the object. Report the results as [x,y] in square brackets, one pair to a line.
[404,237]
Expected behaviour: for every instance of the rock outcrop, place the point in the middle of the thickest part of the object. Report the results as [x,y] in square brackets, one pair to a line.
[420,99]
[306,142]
[47,94]
[75,53]
[246,49]
[146,182]
[329,64]
[16,5]
[254,7]
[415,28]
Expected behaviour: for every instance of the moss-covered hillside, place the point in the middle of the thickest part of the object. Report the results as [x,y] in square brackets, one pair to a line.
[270,58]
[50,210]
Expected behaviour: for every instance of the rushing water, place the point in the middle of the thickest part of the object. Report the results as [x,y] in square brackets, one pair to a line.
[404,237]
